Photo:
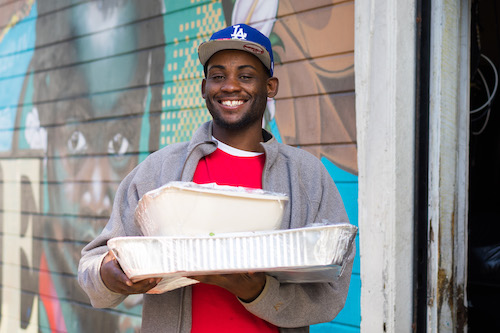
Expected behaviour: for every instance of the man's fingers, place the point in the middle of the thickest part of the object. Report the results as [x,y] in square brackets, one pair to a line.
[143,286]
[120,275]
[116,280]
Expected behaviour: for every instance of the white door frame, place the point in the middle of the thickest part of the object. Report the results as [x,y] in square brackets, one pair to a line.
[448,165]
[385,48]
[385,41]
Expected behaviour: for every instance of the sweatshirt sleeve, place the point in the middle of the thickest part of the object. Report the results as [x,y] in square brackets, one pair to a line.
[121,223]
[292,305]
[89,278]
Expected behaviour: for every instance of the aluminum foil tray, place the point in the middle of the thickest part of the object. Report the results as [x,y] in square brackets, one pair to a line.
[311,254]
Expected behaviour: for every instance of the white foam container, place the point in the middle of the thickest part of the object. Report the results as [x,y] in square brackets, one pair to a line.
[189,209]
[311,254]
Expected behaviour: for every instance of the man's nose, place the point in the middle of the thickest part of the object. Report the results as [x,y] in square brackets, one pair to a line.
[231,83]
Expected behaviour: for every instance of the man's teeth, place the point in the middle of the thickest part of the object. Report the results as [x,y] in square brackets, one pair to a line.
[232,103]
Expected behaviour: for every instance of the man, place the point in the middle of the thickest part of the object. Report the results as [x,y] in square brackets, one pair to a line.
[233,149]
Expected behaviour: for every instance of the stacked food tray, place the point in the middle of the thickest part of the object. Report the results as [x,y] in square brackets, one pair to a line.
[310,254]
[189,209]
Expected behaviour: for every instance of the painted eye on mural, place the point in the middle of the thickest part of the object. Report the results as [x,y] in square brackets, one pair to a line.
[118,145]
[77,143]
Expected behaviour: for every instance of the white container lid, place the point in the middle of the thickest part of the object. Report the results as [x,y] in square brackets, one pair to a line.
[190,209]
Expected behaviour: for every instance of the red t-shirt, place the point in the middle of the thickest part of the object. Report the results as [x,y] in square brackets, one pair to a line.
[215,309]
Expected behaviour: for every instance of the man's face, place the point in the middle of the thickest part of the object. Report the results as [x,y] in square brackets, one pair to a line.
[236,89]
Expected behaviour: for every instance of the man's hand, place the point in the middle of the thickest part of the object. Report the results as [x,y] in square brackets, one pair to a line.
[115,279]
[246,286]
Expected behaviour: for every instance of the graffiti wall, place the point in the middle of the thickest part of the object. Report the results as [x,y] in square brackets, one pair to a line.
[88,88]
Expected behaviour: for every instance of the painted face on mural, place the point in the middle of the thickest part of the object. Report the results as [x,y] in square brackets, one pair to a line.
[91,158]
[236,89]
[95,112]
[92,142]
[98,132]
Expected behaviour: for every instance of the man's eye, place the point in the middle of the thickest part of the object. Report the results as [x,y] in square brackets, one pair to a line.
[77,143]
[218,77]
[118,145]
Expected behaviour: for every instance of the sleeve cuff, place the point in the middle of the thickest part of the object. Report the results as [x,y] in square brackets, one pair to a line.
[263,293]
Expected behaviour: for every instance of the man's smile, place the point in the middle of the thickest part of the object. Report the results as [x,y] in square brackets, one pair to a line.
[232,103]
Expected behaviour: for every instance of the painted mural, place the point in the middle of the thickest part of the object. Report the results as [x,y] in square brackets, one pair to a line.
[89,88]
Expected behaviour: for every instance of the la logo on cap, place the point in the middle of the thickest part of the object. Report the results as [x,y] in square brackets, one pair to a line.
[238,33]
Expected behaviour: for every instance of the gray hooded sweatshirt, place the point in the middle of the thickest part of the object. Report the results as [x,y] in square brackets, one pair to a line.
[313,198]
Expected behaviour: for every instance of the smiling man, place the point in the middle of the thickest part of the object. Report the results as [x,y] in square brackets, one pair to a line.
[236,88]
[233,149]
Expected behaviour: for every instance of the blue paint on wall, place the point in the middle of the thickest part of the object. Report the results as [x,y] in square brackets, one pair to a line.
[16,51]
[274,130]
[349,318]
[145,128]
[347,185]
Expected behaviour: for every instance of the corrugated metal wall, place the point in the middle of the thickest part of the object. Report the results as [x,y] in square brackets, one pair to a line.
[89,88]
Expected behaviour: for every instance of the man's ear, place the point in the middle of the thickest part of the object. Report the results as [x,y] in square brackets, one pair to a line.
[203,82]
[272,86]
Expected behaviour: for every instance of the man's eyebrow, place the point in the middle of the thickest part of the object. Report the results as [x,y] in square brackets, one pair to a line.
[217,66]
[224,67]
[245,66]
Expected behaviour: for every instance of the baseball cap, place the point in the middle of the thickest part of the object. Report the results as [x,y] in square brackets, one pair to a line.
[239,37]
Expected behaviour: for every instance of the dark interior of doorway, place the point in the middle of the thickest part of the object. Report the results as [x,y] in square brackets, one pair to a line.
[483,288]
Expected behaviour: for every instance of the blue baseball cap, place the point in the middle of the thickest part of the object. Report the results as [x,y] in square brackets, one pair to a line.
[239,37]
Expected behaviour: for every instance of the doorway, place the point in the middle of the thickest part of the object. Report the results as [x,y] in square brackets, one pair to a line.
[483,286]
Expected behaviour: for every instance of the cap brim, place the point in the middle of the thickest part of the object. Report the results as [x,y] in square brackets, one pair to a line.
[209,48]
